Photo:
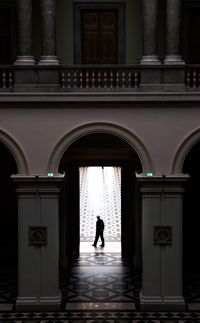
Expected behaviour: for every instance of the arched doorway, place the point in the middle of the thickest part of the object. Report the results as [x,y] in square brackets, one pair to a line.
[8,208]
[8,227]
[100,149]
[191,225]
[191,208]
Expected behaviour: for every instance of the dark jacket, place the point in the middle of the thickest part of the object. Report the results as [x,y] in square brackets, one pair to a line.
[99,225]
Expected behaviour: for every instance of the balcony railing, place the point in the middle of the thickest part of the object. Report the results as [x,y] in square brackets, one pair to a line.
[6,78]
[96,78]
[100,77]
[192,77]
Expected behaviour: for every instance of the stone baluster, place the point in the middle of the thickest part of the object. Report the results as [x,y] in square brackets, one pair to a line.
[173,15]
[150,28]
[48,33]
[24,14]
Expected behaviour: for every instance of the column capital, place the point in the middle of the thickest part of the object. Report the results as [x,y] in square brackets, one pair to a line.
[37,184]
[171,184]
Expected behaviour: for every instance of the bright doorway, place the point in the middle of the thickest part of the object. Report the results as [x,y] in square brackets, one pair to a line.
[100,194]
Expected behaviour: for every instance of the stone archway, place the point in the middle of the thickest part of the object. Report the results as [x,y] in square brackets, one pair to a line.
[101,149]
[108,128]
[16,151]
[181,153]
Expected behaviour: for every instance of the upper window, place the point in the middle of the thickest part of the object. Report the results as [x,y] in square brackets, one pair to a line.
[99,37]
[194,36]
[99,33]
[7,33]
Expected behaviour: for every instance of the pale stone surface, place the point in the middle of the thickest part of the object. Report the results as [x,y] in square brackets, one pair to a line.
[162,264]
[38,264]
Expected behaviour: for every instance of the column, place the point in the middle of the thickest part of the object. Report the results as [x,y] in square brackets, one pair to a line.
[38,228]
[24,13]
[162,242]
[173,16]
[150,29]
[48,33]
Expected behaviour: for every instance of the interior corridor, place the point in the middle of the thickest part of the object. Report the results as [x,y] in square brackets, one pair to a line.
[100,195]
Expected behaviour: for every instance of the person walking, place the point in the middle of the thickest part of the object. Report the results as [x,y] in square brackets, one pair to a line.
[99,232]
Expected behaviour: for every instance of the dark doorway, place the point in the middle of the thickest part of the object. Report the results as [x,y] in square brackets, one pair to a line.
[99,150]
[8,210]
[191,225]
[7,33]
[194,37]
[99,32]
[191,32]
[99,36]
[191,209]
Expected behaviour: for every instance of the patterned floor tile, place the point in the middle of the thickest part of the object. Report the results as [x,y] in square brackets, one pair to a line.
[100,285]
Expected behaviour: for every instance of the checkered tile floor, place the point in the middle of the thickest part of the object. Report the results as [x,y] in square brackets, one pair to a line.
[102,288]
[102,278]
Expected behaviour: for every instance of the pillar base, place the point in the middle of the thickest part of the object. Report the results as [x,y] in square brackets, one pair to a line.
[157,303]
[173,60]
[40,304]
[24,60]
[48,60]
[150,60]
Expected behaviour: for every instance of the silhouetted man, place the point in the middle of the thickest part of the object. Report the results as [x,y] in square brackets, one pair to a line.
[99,232]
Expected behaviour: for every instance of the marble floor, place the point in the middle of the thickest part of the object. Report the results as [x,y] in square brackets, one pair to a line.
[100,278]
[102,288]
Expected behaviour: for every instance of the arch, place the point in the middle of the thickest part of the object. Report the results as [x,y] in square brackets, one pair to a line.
[16,151]
[105,128]
[183,150]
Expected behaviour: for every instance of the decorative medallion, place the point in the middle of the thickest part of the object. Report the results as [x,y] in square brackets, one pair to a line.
[163,235]
[37,236]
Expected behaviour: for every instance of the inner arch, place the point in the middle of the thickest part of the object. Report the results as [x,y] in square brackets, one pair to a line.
[113,130]
[105,150]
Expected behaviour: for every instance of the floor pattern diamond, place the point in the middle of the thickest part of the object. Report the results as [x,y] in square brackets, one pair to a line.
[104,280]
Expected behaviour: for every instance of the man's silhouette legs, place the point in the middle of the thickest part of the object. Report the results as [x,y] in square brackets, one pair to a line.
[102,240]
[99,234]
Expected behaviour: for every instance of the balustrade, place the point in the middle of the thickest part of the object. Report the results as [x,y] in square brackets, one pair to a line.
[99,78]
[76,78]
[193,77]
[6,78]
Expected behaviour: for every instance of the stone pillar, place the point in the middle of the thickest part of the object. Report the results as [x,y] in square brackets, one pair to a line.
[173,16]
[162,242]
[150,32]
[24,13]
[48,33]
[38,268]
